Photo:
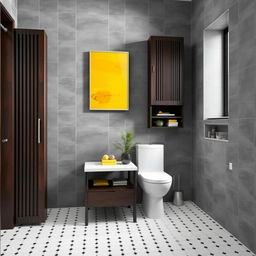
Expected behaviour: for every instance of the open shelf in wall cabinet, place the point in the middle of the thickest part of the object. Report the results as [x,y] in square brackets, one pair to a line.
[167,117]
[176,110]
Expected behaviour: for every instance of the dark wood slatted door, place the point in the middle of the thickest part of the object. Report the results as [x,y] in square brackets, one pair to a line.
[6,121]
[166,60]
[30,123]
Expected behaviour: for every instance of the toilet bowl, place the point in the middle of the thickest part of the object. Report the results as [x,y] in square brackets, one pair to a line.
[152,179]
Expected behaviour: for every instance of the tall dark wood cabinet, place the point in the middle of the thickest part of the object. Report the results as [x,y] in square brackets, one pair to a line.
[30,126]
[7,120]
[165,57]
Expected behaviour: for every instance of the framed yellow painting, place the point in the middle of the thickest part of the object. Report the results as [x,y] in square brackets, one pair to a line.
[109,80]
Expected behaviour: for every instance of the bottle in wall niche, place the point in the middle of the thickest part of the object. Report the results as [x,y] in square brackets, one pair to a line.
[213,133]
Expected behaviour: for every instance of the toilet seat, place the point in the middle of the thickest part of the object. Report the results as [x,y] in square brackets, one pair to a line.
[156,177]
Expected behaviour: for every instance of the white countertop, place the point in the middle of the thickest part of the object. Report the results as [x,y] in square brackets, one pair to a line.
[98,167]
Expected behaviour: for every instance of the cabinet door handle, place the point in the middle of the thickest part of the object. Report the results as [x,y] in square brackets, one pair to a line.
[39,131]
[4,140]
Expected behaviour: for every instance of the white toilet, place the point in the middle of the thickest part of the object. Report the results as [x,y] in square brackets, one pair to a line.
[154,182]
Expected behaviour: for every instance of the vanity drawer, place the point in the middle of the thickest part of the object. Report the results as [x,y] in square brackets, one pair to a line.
[110,197]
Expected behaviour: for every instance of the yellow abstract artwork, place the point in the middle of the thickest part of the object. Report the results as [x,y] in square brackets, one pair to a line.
[109,80]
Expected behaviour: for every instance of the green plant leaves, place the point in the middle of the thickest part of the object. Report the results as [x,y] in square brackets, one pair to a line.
[127,145]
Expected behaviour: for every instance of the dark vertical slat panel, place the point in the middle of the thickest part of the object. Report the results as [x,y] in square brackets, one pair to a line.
[20,113]
[32,126]
[159,64]
[162,70]
[179,82]
[176,77]
[157,68]
[178,72]
[27,126]
[172,70]
[175,71]
[24,128]
[36,112]
[16,183]
[168,70]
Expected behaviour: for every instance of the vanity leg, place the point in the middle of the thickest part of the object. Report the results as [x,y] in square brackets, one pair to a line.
[86,216]
[86,199]
[135,196]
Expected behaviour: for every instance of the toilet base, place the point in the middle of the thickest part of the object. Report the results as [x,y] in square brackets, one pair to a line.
[153,206]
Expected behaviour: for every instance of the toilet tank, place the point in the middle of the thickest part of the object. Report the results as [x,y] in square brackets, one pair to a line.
[150,157]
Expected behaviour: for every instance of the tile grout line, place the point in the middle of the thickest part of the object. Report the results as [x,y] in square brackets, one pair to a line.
[108,147]
[76,91]
[58,84]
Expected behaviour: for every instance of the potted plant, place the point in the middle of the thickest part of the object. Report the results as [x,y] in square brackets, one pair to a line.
[126,146]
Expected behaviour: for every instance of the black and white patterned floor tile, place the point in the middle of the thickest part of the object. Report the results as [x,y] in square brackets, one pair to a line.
[185,230]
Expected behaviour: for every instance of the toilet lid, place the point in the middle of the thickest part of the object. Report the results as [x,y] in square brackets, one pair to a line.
[156,177]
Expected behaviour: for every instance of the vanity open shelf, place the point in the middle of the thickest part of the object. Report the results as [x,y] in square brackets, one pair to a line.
[109,188]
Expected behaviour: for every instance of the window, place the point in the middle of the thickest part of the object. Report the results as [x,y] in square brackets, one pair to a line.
[225,70]
[216,69]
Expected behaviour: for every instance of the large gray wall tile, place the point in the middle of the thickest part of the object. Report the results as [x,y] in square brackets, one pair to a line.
[67,27]
[156,8]
[92,7]
[67,5]
[116,7]
[136,8]
[67,59]
[28,20]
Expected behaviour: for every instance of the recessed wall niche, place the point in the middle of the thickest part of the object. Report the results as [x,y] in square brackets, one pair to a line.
[217,132]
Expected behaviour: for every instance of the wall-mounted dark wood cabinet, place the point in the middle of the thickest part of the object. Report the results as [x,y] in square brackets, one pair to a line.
[165,55]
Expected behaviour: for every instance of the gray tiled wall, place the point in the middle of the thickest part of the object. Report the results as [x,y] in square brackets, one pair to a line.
[229,196]
[75,134]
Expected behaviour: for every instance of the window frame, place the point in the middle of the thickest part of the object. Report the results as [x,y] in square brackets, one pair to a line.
[226,72]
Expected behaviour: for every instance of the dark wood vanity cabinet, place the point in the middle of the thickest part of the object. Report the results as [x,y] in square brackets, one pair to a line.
[165,64]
